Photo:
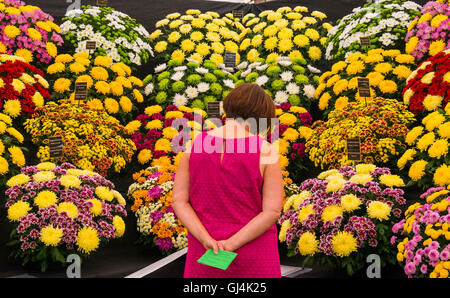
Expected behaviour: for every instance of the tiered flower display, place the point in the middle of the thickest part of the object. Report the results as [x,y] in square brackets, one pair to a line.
[156,220]
[11,152]
[93,140]
[344,215]
[429,34]
[381,124]
[111,86]
[428,87]
[422,237]
[117,35]
[427,159]
[293,131]
[28,32]
[197,36]
[387,71]
[192,84]
[165,132]
[286,80]
[292,32]
[22,86]
[386,22]
[61,210]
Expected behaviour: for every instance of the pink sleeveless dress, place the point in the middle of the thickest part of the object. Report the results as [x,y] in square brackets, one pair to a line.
[226,196]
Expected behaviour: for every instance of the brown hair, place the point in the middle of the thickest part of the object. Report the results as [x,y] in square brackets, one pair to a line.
[249,101]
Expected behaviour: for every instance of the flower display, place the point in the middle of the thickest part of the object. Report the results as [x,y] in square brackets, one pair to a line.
[197,36]
[386,22]
[165,132]
[22,86]
[192,84]
[110,86]
[290,138]
[28,32]
[156,221]
[344,215]
[286,80]
[117,35]
[293,32]
[61,210]
[422,237]
[93,140]
[381,124]
[387,71]
[429,33]
[427,159]
[428,87]
[12,157]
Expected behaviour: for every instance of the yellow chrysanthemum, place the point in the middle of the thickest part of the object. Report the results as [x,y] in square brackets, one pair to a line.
[11,31]
[45,199]
[436,46]
[438,149]
[12,107]
[51,236]
[308,244]
[343,244]
[18,210]
[68,207]
[87,239]
[361,178]
[335,184]
[441,176]
[425,141]
[119,226]
[417,170]
[392,180]
[43,176]
[432,102]
[111,105]
[104,193]
[350,203]
[17,156]
[331,212]
[19,179]
[96,209]
[61,85]
[144,156]
[25,54]
[378,210]
[305,212]
[70,181]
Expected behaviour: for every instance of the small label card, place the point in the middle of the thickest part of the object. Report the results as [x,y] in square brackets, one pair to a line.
[81,91]
[56,145]
[102,2]
[239,14]
[91,45]
[214,109]
[364,87]
[222,260]
[230,59]
[365,41]
[354,149]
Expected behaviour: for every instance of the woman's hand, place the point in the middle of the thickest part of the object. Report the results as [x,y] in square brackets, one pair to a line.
[211,243]
[226,245]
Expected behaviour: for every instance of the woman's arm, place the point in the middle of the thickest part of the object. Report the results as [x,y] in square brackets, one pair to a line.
[183,209]
[272,199]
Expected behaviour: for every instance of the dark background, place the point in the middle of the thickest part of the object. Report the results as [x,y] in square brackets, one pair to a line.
[122,257]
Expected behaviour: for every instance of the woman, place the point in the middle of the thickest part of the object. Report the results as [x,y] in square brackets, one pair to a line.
[228,191]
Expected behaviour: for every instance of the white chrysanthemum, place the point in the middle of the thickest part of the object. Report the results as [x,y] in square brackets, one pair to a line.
[262,67]
[242,65]
[203,87]
[281,97]
[292,88]
[286,76]
[191,92]
[313,69]
[262,80]
[254,64]
[177,76]
[309,91]
[160,67]
[149,89]
[246,73]
[285,63]
[180,68]
[201,70]
[228,83]
[179,100]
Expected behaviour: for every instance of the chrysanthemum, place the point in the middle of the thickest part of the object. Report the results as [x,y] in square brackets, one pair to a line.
[96,209]
[68,207]
[61,85]
[432,102]
[343,244]
[308,244]
[12,107]
[350,202]
[104,193]
[18,210]
[417,170]
[70,181]
[379,210]
[425,141]
[305,212]
[331,212]
[284,226]
[144,156]
[392,180]
[19,179]
[441,176]
[51,236]
[111,105]
[335,184]
[119,226]
[438,149]
[87,239]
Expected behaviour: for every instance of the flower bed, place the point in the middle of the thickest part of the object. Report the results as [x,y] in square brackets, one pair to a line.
[429,34]
[387,71]
[381,124]
[427,159]
[385,22]
[61,210]
[428,87]
[28,32]
[22,86]
[342,216]
[93,140]
[152,202]
[117,35]
[424,249]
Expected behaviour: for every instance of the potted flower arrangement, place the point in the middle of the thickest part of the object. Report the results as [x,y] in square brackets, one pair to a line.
[342,216]
[381,124]
[152,203]
[117,35]
[387,71]
[385,22]
[428,87]
[429,33]
[422,237]
[28,32]
[93,140]
[58,210]
[23,88]
[427,159]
